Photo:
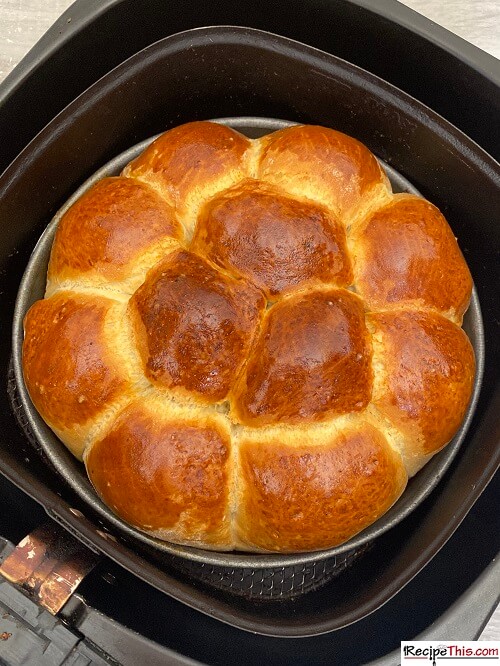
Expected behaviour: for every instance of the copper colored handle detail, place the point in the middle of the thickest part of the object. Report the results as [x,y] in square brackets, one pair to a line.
[49,564]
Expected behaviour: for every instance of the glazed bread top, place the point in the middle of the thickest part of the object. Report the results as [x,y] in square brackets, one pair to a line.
[251,344]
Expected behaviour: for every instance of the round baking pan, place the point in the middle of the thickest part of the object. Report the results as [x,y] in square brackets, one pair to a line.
[73,472]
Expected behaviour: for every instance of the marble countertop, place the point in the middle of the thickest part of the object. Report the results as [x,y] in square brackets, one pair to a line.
[23,22]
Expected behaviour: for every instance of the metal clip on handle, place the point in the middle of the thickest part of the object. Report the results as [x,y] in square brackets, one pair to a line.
[49,564]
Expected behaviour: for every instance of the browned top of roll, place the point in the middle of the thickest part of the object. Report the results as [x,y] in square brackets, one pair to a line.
[323,165]
[165,472]
[108,227]
[275,241]
[70,370]
[194,325]
[191,162]
[312,360]
[424,365]
[304,495]
[403,252]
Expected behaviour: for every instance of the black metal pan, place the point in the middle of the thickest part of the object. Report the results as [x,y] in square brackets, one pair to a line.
[227,71]
[32,288]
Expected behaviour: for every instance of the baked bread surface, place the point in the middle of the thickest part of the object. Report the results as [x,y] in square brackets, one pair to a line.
[251,344]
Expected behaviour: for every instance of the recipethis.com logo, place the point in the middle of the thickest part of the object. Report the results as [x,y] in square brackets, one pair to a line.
[450,653]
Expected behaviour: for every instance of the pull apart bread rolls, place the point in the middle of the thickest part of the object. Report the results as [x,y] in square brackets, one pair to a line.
[252,345]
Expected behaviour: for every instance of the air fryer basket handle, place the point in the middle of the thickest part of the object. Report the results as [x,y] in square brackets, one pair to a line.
[49,564]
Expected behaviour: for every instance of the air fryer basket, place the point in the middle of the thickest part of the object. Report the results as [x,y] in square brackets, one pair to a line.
[219,72]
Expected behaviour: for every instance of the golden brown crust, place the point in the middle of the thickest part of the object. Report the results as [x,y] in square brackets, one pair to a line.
[194,325]
[424,376]
[275,241]
[70,372]
[191,162]
[311,361]
[279,355]
[165,472]
[406,251]
[323,165]
[308,495]
[113,222]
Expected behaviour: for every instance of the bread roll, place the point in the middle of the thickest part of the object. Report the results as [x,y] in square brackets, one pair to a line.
[251,344]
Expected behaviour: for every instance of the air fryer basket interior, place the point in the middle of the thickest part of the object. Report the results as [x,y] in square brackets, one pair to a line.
[220,72]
